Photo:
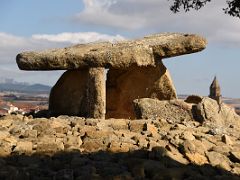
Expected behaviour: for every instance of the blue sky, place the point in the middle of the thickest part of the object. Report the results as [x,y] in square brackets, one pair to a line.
[27,17]
[36,25]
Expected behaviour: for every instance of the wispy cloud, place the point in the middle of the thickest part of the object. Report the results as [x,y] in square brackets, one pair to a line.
[83,37]
[155,16]
[11,40]
[101,12]
[11,45]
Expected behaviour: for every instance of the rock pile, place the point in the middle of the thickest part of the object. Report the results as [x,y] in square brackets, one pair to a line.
[203,109]
[161,147]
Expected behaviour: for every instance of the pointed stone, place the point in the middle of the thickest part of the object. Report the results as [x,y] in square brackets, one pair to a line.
[215,90]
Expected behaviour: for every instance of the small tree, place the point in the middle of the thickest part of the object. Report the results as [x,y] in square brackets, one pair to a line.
[233,6]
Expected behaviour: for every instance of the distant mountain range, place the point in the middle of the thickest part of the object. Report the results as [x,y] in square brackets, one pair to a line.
[24,87]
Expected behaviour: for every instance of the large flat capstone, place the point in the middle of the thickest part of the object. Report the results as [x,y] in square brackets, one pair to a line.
[141,52]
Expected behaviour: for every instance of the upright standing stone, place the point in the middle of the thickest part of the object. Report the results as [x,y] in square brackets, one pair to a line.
[79,93]
[124,86]
[215,90]
[96,93]
[68,95]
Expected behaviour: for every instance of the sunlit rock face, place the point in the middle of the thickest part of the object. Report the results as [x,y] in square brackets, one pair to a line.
[135,70]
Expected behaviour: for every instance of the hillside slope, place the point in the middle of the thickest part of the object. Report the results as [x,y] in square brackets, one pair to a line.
[25,88]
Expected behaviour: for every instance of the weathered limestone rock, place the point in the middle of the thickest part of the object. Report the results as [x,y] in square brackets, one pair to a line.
[24,147]
[5,148]
[173,110]
[209,111]
[196,158]
[187,135]
[72,141]
[124,86]
[142,52]
[215,90]
[4,134]
[96,93]
[235,156]
[195,99]
[79,93]
[217,159]
[116,149]
[135,71]
[49,148]
[68,96]
[226,139]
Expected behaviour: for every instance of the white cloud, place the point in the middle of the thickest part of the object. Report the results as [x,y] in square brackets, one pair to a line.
[11,40]
[98,12]
[151,16]
[84,37]
[11,45]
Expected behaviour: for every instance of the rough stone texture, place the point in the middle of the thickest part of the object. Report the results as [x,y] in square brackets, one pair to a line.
[235,156]
[68,95]
[96,93]
[217,159]
[79,93]
[220,115]
[124,86]
[226,139]
[215,90]
[141,52]
[195,99]
[203,109]
[135,71]
[172,110]
[78,148]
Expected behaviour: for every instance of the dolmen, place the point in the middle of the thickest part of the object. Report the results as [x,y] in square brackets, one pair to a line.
[103,79]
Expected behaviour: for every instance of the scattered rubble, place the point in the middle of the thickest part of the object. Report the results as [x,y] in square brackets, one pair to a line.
[75,148]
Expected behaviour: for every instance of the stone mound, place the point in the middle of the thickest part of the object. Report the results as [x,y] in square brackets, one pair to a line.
[77,148]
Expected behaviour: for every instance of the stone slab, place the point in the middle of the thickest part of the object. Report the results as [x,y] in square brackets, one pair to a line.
[141,52]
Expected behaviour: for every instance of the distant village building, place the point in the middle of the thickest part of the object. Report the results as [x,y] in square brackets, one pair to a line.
[9,108]
[215,90]
[32,104]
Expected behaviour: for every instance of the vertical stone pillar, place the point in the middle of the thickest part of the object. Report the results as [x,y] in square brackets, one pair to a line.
[126,85]
[96,93]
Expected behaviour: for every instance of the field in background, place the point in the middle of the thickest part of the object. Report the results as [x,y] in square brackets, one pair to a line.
[39,100]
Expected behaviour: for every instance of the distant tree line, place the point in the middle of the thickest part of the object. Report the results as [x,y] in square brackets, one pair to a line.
[232,6]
